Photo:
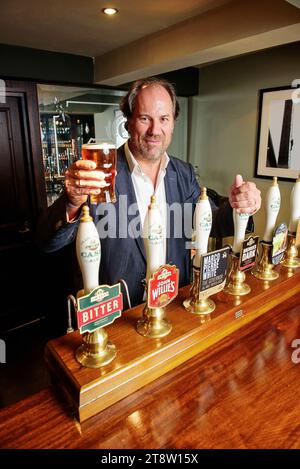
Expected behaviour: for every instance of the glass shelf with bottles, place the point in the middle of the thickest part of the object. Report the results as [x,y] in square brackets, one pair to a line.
[61,145]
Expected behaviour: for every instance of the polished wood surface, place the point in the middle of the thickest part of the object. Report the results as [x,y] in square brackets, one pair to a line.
[243,392]
[141,360]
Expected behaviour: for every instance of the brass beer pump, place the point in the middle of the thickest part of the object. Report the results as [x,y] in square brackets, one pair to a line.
[236,285]
[154,323]
[96,350]
[265,269]
[199,302]
[291,259]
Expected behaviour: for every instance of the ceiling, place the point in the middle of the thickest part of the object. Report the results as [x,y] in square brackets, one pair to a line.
[149,37]
[79,27]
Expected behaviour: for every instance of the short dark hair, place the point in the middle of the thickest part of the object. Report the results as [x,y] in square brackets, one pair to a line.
[128,101]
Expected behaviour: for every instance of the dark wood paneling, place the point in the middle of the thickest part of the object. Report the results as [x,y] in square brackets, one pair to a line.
[22,197]
[32,138]
[15,188]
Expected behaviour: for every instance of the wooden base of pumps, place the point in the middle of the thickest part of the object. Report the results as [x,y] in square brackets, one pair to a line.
[141,360]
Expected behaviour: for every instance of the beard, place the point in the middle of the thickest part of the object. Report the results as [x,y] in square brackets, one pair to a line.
[147,151]
[151,152]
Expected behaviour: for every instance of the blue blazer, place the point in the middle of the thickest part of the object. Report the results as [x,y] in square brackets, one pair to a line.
[124,257]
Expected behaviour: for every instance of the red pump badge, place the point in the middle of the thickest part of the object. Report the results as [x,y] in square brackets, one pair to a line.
[163,286]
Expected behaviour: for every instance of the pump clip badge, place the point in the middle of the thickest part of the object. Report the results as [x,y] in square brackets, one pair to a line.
[163,286]
[99,308]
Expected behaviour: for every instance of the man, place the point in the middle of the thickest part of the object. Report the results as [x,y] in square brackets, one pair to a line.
[143,169]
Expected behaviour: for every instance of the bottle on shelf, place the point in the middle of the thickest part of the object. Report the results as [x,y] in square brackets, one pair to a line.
[61,146]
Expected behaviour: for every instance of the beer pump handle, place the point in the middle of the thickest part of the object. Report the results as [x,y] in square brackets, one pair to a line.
[272,206]
[88,251]
[202,225]
[240,222]
[295,206]
[153,238]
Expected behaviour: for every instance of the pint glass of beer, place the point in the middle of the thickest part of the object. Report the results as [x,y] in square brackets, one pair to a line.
[104,154]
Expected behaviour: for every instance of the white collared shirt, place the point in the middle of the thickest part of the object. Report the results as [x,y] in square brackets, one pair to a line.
[143,188]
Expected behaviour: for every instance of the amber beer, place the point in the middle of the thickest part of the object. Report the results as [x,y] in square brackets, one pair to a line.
[104,155]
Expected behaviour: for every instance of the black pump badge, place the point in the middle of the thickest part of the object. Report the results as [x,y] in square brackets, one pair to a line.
[213,270]
[248,253]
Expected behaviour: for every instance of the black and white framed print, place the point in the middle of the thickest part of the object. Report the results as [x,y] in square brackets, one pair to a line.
[278,144]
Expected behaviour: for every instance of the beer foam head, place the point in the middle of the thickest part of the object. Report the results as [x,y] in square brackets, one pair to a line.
[99,146]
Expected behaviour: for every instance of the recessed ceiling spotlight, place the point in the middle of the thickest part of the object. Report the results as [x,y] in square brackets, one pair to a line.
[110,11]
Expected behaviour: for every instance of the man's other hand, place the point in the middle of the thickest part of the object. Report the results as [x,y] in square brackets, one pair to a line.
[244,196]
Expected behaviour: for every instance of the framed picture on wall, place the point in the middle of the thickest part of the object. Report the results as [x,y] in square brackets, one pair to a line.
[278,143]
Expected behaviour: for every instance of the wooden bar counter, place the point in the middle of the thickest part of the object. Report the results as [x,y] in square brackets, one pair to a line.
[141,360]
[242,392]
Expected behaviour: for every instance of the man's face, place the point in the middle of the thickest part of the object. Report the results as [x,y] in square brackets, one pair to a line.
[152,123]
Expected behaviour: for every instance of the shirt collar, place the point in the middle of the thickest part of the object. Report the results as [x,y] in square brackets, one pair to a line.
[134,165]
